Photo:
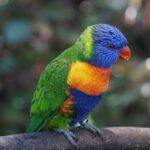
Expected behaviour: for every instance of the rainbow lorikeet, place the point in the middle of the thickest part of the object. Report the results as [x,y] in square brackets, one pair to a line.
[74,82]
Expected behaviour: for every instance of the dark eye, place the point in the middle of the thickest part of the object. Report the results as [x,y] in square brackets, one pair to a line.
[110,46]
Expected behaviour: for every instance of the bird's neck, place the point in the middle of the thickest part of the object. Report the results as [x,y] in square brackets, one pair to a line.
[88,78]
[100,63]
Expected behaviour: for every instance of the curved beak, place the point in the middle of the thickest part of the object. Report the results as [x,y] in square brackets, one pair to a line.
[125,53]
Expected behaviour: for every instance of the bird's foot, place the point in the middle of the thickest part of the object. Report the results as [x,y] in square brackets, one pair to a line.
[96,131]
[69,135]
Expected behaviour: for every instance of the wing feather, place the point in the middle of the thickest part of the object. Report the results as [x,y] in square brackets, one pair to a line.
[49,94]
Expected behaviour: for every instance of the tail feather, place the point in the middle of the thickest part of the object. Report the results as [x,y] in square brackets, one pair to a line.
[37,123]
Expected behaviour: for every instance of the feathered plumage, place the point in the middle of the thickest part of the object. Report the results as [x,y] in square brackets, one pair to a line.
[74,82]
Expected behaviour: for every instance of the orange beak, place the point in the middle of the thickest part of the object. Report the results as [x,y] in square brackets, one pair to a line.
[125,53]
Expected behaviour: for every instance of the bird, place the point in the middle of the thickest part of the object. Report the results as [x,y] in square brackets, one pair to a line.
[74,82]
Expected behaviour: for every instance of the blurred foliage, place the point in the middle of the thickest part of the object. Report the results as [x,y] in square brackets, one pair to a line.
[33,32]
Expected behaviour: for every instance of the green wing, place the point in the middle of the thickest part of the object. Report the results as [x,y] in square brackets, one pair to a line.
[49,94]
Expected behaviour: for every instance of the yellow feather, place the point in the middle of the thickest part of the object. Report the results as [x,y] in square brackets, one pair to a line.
[88,79]
[88,41]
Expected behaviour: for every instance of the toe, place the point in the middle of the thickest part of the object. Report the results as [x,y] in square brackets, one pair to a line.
[73,136]
[69,135]
[99,133]
[70,139]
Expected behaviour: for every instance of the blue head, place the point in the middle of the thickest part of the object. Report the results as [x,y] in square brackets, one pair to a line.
[109,45]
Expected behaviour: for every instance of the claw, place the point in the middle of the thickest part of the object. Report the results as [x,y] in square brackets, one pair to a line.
[96,131]
[69,135]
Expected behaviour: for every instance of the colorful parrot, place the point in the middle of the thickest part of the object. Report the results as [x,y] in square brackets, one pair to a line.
[75,81]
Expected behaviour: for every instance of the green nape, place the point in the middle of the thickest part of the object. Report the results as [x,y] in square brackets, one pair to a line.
[87,40]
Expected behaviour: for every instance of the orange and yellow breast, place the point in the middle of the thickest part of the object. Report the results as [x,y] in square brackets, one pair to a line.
[88,79]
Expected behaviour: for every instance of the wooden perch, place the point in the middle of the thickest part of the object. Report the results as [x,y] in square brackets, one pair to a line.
[121,138]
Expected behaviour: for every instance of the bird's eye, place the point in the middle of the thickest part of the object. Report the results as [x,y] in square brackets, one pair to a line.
[110,46]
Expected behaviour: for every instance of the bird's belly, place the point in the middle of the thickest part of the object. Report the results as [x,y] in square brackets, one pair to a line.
[83,104]
[88,79]
[74,109]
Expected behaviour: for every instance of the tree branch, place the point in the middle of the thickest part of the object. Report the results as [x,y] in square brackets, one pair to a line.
[122,138]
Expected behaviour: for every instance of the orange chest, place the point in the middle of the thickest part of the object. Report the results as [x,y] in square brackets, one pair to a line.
[88,79]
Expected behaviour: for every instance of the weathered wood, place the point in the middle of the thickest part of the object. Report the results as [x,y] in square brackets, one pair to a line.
[121,138]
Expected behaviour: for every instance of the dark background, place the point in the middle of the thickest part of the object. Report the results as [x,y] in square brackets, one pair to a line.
[33,32]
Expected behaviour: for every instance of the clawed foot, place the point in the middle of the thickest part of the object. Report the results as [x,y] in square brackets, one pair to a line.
[96,131]
[69,135]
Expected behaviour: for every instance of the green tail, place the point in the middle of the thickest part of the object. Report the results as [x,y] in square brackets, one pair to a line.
[37,123]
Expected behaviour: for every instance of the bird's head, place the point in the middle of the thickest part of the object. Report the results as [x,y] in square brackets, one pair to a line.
[104,45]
